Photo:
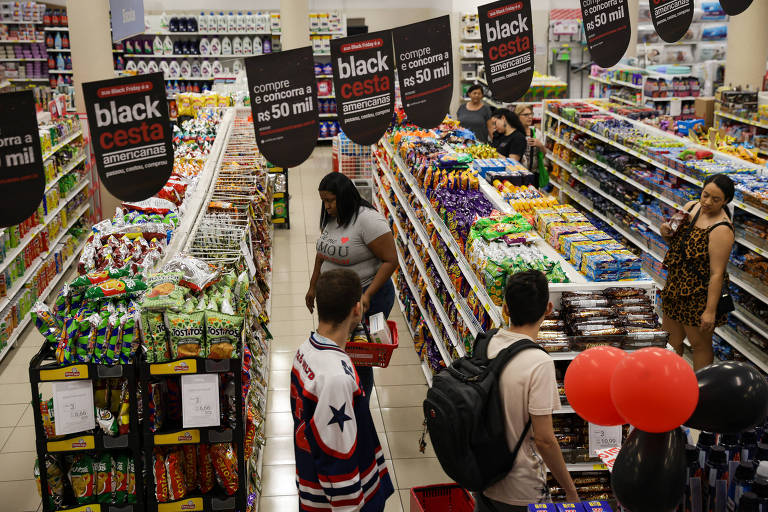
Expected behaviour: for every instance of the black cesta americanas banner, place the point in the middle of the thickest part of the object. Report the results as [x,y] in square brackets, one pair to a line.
[425,70]
[283,91]
[21,162]
[671,18]
[606,24]
[734,7]
[131,134]
[506,30]
[364,81]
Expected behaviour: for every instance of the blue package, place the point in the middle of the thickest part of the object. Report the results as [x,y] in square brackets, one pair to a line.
[570,507]
[596,506]
[542,507]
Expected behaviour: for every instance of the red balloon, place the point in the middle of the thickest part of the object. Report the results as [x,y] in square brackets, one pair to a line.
[654,390]
[588,385]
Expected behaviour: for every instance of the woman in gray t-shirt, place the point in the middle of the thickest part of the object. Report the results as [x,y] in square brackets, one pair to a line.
[357,237]
[475,115]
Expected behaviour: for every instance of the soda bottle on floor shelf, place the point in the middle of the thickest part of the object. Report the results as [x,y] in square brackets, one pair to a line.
[741,482]
[716,470]
[693,491]
[732,445]
[749,503]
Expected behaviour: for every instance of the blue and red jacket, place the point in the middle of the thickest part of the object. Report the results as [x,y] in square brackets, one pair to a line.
[339,461]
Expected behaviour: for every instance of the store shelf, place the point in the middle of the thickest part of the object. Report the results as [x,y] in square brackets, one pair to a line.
[208,33]
[329,96]
[18,41]
[626,84]
[328,115]
[24,79]
[743,120]
[64,142]
[60,71]
[190,79]
[189,56]
[739,278]
[427,372]
[477,287]
[469,320]
[323,76]
[56,29]
[586,466]
[322,54]
[600,80]
[59,50]
[681,98]
[23,60]
[424,366]
[16,22]
[564,409]
[751,320]
[619,99]
[325,138]
[744,346]
[424,315]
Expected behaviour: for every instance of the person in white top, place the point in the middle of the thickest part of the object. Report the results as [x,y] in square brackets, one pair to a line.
[528,389]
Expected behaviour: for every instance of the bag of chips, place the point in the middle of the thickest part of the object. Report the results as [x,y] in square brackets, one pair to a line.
[102,466]
[45,322]
[190,467]
[206,479]
[55,478]
[222,334]
[155,412]
[161,475]
[198,275]
[186,333]
[155,337]
[120,478]
[115,288]
[225,465]
[130,488]
[82,477]
[107,422]
[174,465]
[98,276]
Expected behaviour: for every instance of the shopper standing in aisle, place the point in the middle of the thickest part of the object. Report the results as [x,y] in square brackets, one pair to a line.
[533,157]
[357,237]
[696,265]
[509,134]
[528,390]
[475,115]
[339,461]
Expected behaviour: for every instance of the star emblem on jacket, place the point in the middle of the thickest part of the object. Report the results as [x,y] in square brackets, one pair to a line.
[339,416]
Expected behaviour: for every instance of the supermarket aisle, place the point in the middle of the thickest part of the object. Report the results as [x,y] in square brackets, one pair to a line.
[17,432]
[399,391]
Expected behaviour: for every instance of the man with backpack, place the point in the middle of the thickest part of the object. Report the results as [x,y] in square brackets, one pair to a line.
[510,383]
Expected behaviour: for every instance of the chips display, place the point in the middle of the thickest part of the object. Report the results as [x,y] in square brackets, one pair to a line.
[186,333]
[225,465]
[82,477]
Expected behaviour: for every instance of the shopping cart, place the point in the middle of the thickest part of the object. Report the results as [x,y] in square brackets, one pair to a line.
[373,354]
[350,159]
[441,498]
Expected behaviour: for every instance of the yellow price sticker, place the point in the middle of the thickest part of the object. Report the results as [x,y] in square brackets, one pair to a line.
[599,467]
[184,505]
[76,443]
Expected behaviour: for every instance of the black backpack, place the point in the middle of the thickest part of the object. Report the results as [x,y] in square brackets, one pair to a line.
[465,417]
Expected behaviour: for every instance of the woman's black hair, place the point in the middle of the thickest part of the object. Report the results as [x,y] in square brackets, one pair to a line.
[474,87]
[511,118]
[348,200]
[725,184]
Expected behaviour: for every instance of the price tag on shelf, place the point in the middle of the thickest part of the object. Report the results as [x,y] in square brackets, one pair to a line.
[602,438]
[73,406]
[200,400]
[248,258]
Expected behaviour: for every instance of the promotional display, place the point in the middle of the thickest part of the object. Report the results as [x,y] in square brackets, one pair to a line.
[506,30]
[127,18]
[129,124]
[425,69]
[283,92]
[21,162]
[364,80]
[734,7]
[606,25]
[671,18]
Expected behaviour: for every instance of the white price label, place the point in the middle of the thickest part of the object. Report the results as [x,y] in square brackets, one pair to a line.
[248,258]
[73,406]
[200,400]
[602,438]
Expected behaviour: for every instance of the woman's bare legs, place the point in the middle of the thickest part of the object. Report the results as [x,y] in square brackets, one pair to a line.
[701,342]
[676,333]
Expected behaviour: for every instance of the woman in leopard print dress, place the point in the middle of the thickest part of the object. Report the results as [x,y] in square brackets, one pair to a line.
[696,264]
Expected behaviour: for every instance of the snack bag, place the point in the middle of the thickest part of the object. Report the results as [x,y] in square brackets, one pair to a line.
[82,477]
[205,469]
[222,335]
[198,275]
[155,337]
[45,322]
[130,487]
[161,476]
[186,333]
[55,477]
[120,478]
[155,412]
[96,277]
[225,466]
[102,466]
[126,336]
[164,296]
[114,288]
[107,422]
[190,467]
[124,413]
[66,345]
[61,305]
[174,465]
[111,355]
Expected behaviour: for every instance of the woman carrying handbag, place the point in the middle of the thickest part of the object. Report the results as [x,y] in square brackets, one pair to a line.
[695,298]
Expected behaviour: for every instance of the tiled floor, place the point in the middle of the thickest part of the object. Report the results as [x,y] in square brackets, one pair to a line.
[399,391]
[395,403]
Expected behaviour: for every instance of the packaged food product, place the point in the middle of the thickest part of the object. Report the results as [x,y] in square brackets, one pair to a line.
[46,322]
[115,288]
[96,277]
[174,465]
[206,479]
[161,476]
[222,335]
[102,466]
[186,333]
[107,422]
[120,478]
[198,274]
[155,337]
[190,467]
[82,477]
[225,465]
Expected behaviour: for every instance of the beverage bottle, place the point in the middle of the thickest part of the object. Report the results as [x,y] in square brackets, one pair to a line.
[60,62]
[731,443]
[748,444]
[741,482]
[706,441]
[693,491]
[760,485]
[65,40]
[63,18]
[57,41]
[749,503]
[716,471]
[49,40]
[761,453]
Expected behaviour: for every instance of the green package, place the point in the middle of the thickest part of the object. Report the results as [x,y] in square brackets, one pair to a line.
[83,479]
[102,467]
[186,334]
[120,478]
[222,333]
[155,337]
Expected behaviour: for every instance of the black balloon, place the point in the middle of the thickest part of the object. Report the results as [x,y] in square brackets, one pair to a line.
[733,396]
[649,473]
[734,7]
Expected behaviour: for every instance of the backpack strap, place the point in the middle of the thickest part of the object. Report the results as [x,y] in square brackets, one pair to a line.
[723,223]
[498,363]
[480,347]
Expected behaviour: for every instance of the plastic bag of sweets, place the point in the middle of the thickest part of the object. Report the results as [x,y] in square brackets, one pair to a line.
[82,476]
[186,334]
[206,477]
[224,462]
[161,475]
[174,466]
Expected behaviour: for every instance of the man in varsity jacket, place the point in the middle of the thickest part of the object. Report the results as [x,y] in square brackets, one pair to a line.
[339,461]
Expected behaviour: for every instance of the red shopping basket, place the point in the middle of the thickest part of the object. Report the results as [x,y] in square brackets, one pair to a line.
[373,354]
[441,498]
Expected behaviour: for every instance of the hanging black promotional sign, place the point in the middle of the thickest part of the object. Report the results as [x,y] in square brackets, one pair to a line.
[734,7]
[283,93]
[606,24]
[131,134]
[671,18]
[21,161]
[506,30]
[425,70]
[364,81]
